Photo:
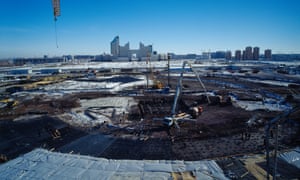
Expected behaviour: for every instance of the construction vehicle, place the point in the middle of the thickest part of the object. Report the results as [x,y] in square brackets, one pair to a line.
[195,111]
[9,103]
[54,132]
[157,84]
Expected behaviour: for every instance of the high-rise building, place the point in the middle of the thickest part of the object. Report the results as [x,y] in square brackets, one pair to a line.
[206,55]
[228,55]
[268,54]
[255,53]
[248,53]
[238,55]
[244,55]
[218,55]
[115,46]
[124,52]
[144,51]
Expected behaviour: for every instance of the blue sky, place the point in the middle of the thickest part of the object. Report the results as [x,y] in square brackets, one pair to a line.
[179,26]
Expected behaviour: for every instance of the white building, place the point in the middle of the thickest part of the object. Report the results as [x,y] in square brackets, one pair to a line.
[114,46]
[124,52]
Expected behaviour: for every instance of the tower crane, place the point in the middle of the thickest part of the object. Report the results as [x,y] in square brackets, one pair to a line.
[56,13]
[56,8]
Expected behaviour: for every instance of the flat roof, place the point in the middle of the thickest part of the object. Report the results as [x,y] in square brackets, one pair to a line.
[44,164]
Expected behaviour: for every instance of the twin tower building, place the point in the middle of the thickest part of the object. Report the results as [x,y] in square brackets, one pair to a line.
[125,53]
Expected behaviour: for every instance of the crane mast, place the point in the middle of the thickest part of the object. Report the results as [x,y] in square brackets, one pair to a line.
[179,87]
[56,13]
[178,90]
[56,8]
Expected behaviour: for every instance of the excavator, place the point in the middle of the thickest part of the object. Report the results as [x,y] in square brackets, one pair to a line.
[195,111]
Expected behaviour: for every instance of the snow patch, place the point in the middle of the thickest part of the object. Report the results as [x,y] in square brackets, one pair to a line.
[256,105]
[98,111]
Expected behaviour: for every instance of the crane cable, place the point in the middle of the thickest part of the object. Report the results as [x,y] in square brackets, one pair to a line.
[55,32]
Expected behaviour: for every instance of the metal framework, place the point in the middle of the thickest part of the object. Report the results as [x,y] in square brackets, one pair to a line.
[179,86]
[56,8]
[275,121]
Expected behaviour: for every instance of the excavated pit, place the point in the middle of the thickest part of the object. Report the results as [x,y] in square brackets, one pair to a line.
[130,131]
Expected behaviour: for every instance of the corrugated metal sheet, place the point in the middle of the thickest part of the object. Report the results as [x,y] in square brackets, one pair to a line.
[44,164]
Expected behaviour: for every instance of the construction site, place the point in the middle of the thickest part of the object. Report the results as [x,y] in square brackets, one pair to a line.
[239,117]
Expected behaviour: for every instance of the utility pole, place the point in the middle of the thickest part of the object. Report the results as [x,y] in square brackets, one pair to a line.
[149,69]
[275,153]
[267,132]
[169,57]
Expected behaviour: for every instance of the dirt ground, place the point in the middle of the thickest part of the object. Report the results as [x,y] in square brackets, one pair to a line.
[220,131]
[21,137]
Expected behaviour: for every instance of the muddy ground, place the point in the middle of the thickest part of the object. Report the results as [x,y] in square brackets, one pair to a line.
[220,131]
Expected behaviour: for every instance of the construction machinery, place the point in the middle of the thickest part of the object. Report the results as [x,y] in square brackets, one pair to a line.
[56,8]
[56,13]
[157,86]
[195,111]
[9,103]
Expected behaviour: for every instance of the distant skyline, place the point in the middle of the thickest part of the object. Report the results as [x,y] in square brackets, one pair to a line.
[177,26]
